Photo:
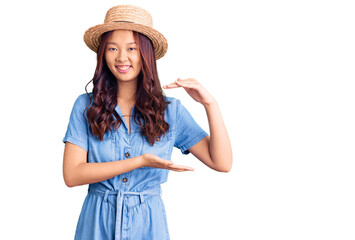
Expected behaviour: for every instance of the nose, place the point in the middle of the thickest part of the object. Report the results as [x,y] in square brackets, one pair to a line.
[121,56]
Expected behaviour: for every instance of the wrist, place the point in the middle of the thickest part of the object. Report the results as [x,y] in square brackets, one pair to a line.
[210,104]
[141,161]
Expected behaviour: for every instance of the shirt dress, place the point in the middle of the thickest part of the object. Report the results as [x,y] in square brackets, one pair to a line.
[128,206]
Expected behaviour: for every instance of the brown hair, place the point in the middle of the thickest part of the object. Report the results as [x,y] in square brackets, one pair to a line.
[150,102]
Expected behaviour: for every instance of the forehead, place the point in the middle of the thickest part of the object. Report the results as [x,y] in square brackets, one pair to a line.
[121,36]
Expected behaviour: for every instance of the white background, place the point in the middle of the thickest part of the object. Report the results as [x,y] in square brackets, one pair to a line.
[282,72]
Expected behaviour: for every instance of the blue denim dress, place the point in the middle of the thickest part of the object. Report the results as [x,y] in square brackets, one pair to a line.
[128,206]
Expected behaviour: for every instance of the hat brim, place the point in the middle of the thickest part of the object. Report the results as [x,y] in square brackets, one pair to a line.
[92,36]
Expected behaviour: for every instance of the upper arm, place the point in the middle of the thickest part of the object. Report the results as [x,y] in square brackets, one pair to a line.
[78,126]
[73,156]
[75,139]
[201,151]
[190,137]
[188,133]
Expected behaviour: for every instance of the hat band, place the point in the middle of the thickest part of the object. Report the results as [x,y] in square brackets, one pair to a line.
[124,21]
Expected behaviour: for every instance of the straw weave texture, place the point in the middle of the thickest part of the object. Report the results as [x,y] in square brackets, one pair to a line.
[129,14]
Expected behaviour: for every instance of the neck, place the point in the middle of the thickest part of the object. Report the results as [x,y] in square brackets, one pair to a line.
[127,92]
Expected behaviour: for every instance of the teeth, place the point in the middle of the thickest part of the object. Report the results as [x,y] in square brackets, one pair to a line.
[123,68]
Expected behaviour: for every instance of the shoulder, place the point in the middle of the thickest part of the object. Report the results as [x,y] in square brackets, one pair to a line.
[173,102]
[84,97]
[173,105]
[81,102]
[174,109]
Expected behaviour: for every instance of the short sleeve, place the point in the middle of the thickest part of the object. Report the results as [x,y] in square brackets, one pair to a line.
[77,131]
[188,132]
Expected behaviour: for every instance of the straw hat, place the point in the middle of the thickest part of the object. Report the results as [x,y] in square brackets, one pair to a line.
[127,17]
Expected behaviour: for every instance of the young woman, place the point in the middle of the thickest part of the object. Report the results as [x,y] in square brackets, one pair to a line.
[120,137]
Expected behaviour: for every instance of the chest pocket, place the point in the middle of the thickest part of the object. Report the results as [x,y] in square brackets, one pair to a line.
[162,146]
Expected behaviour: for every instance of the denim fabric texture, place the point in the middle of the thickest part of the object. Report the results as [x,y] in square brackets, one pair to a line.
[128,206]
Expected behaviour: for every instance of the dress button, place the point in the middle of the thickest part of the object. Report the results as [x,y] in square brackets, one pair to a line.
[127,154]
[124,180]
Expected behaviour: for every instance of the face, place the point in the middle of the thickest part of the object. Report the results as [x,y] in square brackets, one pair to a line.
[122,56]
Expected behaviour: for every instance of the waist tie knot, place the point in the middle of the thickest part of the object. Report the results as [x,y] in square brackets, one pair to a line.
[119,203]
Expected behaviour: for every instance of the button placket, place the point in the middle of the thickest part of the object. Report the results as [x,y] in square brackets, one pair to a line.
[127,154]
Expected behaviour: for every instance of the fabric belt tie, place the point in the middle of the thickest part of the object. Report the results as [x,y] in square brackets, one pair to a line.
[119,203]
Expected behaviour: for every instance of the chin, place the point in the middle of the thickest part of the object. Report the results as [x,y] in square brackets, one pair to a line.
[126,79]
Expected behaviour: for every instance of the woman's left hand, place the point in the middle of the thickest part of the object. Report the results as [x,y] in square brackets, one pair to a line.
[194,89]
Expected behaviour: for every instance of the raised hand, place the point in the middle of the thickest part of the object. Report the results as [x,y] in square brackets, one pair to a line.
[151,160]
[215,150]
[194,89]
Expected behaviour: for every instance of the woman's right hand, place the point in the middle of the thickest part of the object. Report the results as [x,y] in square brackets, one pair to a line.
[151,160]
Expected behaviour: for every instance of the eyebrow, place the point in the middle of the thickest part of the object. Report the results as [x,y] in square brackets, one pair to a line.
[114,43]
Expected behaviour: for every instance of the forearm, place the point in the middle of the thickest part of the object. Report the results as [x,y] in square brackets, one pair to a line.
[86,173]
[219,145]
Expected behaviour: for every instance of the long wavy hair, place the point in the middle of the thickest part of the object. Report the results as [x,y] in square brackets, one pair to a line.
[150,103]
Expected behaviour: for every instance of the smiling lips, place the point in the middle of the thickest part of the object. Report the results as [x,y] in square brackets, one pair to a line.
[123,68]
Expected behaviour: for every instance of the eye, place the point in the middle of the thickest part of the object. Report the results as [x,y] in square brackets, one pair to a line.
[112,49]
[131,49]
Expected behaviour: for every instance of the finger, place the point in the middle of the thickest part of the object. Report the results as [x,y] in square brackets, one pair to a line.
[187,83]
[187,80]
[180,170]
[171,85]
[176,167]
[181,83]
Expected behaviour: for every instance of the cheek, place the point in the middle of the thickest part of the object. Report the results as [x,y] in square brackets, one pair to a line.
[110,62]
[108,59]
[138,62]
[136,58]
